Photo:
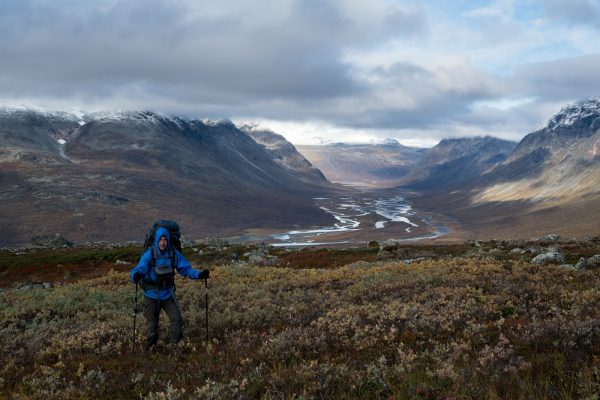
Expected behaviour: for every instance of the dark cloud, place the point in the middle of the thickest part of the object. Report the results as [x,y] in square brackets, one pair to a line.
[561,80]
[575,11]
[57,48]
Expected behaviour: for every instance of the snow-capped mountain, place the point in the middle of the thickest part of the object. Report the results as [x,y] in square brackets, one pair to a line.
[127,168]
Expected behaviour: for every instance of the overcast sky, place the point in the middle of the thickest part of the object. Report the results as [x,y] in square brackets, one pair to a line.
[331,70]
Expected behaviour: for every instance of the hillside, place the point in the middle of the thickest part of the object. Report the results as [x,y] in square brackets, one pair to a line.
[550,182]
[107,176]
[470,321]
[455,161]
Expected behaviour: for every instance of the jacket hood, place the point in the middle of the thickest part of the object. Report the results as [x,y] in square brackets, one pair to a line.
[162,232]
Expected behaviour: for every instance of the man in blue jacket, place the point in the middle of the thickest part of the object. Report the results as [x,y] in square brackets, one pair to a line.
[156,272]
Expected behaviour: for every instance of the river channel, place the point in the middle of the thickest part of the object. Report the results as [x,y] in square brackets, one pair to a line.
[354,214]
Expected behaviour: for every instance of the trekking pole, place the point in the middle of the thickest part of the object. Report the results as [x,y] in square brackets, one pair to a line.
[206,305]
[135,310]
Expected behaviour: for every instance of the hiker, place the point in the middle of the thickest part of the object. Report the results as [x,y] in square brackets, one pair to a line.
[156,273]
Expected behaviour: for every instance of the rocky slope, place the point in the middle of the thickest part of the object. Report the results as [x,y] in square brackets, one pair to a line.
[455,161]
[557,164]
[106,176]
[285,154]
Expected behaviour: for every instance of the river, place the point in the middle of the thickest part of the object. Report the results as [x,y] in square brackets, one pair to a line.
[353,214]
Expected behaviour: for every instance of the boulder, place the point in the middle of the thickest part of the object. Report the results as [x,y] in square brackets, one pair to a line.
[593,262]
[553,237]
[534,250]
[569,267]
[56,240]
[517,250]
[552,256]
[581,264]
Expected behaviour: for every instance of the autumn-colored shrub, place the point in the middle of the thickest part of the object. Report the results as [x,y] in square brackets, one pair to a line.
[449,328]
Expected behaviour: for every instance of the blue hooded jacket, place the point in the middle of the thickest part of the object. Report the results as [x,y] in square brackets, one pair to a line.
[182,265]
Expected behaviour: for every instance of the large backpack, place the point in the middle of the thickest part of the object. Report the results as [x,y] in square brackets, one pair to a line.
[165,275]
[174,232]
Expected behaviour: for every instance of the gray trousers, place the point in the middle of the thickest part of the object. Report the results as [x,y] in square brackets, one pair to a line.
[151,312]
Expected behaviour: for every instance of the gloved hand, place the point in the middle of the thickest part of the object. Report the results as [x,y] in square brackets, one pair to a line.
[137,277]
[203,274]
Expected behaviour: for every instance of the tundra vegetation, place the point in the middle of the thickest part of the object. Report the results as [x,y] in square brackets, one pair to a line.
[470,321]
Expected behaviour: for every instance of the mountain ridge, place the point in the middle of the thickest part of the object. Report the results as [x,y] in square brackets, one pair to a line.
[129,168]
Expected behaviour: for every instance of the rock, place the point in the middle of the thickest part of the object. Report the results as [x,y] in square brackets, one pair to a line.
[121,262]
[413,260]
[581,264]
[551,237]
[552,256]
[389,244]
[57,240]
[195,249]
[548,238]
[517,250]
[217,243]
[534,250]
[261,255]
[570,267]
[593,262]
[30,286]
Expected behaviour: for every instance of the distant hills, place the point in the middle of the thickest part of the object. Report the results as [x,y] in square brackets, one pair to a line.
[107,176]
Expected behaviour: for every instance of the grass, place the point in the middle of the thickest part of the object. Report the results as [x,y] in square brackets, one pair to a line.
[465,326]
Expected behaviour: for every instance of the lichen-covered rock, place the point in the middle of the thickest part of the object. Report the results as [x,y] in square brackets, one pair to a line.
[55,241]
[581,264]
[593,262]
[552,256]
[570,267]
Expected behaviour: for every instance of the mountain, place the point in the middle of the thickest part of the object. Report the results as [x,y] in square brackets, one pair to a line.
[107,176]
[550,182]
[363,164]
[285,154]
[455,161]
[556,164]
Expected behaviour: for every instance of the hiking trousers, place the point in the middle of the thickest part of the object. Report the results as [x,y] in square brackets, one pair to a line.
[151,312]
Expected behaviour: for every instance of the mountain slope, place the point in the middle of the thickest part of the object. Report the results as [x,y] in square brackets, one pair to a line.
[557,164]
[118,172]
[284,153]
[455,161]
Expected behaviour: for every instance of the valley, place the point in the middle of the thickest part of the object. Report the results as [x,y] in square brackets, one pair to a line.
[360,217]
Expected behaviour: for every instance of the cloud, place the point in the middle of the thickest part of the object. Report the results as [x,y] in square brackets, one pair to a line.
[574,11]
[563,79]
[372,69]
[294,52]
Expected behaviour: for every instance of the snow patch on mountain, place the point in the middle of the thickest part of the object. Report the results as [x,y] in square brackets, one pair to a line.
[570,114]
[6,110]
[140,117]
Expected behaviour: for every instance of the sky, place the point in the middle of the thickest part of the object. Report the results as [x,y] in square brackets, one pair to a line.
[315,71]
